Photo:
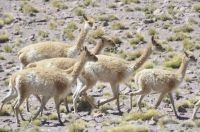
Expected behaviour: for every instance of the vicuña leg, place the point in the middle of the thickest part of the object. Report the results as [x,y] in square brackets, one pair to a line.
[20,100]
[8,98]
[57,104]
[173,105]
[142,93]
[43,103]
[196,107]
[159,100]
[115,91]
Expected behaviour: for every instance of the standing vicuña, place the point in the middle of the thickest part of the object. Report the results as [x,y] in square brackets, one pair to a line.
[161,81]
[46,82]
[50,49]
[65,63]
[110,69]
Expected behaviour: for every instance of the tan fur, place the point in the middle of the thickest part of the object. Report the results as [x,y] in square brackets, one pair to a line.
[160,81]
[46,82]
[65,63]
[49,49]
[112,70]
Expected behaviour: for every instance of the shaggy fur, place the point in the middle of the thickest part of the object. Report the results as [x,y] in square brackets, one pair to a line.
[49,49]
[161,81]
[110,69]
[46,82]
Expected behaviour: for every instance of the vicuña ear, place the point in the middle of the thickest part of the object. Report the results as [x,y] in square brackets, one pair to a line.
[85,18]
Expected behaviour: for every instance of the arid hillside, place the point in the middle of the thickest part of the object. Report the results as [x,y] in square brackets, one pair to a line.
[130,23]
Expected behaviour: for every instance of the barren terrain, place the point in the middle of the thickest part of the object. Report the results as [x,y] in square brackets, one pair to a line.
[176,23]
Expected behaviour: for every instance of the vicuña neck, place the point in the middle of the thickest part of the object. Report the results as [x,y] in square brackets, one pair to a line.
[98,48]
[81,38]
[140,61]
[182,69]
[78,67]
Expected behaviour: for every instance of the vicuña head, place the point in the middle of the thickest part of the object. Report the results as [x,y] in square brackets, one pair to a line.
[45,82]
[51,49]
[113,70]
[160,81]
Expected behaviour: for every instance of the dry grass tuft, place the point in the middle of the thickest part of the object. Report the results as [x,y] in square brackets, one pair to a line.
[142,115]
[129,128]
[77,126]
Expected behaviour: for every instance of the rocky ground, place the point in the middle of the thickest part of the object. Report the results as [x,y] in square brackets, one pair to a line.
[130,23]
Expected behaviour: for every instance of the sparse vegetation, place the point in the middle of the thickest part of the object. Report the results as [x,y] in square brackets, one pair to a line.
[129,128]
[7,48]
[43,34]
[184,104]
[196,8]
[52,24]
[130,1]
[108,18]
[58,4]
[53,116]
[137,39]
[118,26]
[79,11]
[152,31]
[185,28]
[188,44]
[140,115]
[4,37]
[27,7]
[7,109]
[68,31]
[77,126]
[164,17]
[166,120]
[36,122]
[179,36]
[173,62]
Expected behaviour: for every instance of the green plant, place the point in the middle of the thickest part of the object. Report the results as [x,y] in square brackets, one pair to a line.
[107,18]
[137,39]
[134,55]
[88,2]
[52,24]
[196,8]
[7,48]
[148,65]
[188,124]
[188,44]
[104,108]
[130,1]
[59,4]
[140,115]
[27,7]
[1,22]
[164,17]
[166,120]
[68,31]
[53,116]
[79,11]
[5,129]
[184,104]
[4,37]
[185,28]
[152,31]
[173,62]
[7,18]
[179,36]
[7,109]
[43,34]
[36,122]
[129,128]
[118,26]
[112,6]
[77,126]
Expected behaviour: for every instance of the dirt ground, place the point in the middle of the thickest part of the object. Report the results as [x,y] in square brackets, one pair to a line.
[176,23]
